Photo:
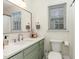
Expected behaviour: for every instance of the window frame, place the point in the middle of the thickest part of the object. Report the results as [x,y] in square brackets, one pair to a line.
[57,6]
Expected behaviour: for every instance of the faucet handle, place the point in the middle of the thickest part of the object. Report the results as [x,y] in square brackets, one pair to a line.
[20,37]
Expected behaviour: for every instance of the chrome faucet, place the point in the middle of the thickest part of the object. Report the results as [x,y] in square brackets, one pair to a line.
[20,37]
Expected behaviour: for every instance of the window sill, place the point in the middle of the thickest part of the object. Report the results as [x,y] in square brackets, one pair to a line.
[58,30]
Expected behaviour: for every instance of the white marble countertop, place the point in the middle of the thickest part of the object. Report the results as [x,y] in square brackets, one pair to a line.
[14,48]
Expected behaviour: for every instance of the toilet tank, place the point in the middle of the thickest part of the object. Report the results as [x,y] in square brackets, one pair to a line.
[56,45]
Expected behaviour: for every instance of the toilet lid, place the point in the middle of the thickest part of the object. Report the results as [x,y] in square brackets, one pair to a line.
[54,55]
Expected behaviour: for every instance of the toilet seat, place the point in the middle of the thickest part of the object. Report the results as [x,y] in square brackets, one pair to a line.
[54,55]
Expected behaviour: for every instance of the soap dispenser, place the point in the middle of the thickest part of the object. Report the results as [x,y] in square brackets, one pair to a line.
[5,41]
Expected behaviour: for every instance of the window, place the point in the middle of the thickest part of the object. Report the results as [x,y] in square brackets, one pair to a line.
[57,17]
[16,21]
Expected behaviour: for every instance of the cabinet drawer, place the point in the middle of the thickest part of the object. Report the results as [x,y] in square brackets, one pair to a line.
[31,48]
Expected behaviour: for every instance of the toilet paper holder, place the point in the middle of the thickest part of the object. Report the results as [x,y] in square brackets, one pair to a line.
[66,43]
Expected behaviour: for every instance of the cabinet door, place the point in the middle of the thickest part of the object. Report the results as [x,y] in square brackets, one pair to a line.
[32,55]
[41,53]
[42,50]
[36,53]
[29,56]
[18,56]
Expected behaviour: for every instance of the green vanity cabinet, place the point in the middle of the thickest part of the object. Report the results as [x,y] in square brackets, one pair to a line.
[35,51]
[18,56]
[41,53]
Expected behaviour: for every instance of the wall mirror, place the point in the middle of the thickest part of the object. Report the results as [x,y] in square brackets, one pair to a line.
[15,19]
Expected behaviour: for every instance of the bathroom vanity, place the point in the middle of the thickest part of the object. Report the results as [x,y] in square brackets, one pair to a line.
[32,48]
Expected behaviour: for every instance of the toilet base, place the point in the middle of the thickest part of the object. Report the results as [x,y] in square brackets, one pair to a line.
[54,55]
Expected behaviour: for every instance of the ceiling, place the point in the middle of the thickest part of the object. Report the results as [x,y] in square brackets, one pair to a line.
[8,7]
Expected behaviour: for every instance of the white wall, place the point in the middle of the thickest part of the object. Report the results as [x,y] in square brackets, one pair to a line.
[39,8]
[6,24]
[72,33]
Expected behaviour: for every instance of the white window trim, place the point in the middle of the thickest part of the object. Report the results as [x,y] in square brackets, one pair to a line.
[65,27]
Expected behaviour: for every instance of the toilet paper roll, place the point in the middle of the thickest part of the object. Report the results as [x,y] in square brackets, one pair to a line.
[66,43]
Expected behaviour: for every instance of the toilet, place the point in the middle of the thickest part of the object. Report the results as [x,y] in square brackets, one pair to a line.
[56,46]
